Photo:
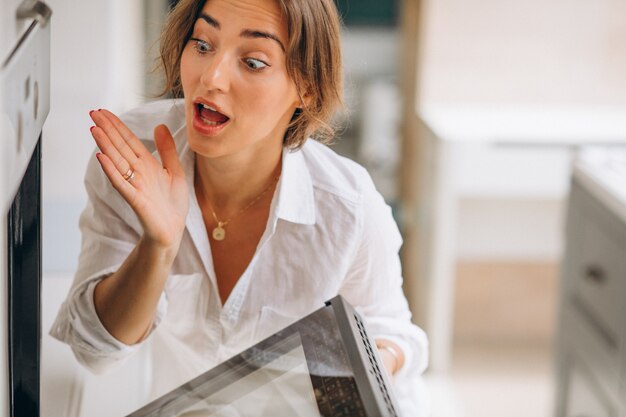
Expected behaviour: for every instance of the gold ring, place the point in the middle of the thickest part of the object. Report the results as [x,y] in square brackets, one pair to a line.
[130,174]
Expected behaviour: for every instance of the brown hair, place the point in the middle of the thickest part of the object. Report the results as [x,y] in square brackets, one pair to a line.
[313,62]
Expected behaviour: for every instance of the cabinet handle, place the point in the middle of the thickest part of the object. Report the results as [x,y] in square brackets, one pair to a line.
[34,9]
[595,274]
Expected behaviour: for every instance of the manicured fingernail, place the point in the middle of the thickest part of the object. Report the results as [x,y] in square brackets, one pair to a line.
[92,128]
[91,112]
[99,109]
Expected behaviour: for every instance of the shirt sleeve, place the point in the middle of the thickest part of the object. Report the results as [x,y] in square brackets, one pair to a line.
[110,231]
[373,286]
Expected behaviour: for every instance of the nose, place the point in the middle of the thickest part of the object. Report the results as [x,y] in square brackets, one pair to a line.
[216,75]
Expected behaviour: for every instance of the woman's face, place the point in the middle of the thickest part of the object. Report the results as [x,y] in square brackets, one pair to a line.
[238,96]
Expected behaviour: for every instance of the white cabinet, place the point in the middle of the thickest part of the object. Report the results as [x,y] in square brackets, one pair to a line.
[584,400]
[501,153]
[592,333]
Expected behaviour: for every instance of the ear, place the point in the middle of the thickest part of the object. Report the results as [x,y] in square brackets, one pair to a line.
[306,99]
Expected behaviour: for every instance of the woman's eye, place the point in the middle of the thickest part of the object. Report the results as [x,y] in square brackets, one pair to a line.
[255,64]
[201,46]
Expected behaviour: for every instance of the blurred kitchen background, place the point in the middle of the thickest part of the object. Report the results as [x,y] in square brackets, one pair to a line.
[468,115]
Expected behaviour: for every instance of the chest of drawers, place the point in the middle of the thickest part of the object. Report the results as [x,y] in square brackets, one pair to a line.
[592,332]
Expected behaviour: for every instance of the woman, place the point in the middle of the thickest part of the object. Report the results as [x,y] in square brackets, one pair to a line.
[237,224]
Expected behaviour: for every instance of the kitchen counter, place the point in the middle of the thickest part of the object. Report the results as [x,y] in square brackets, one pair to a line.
[603,171]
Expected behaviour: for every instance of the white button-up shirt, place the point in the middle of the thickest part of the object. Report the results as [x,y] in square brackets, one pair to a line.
[329,232]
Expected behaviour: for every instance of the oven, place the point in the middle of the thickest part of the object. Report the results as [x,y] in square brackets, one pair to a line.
[24,106]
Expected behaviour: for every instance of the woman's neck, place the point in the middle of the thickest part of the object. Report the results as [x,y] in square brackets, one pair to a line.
[231,182]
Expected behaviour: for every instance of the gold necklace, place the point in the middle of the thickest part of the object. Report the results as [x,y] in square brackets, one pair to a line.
[219,233]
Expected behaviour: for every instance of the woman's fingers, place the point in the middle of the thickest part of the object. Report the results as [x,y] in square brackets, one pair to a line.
[113,134]
[121,184]
[125,133]
[111,151]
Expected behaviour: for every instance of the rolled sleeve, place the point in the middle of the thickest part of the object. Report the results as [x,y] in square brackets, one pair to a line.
[78,325]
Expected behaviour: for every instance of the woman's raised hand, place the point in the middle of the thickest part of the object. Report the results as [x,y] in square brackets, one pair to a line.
[156,191]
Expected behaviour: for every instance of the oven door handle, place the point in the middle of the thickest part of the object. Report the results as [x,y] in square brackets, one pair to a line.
[34,9]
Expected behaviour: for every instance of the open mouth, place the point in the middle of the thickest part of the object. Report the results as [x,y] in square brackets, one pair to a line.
[210,116]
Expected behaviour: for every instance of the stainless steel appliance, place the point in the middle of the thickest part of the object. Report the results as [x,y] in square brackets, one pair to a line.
[24,106]
[324,364]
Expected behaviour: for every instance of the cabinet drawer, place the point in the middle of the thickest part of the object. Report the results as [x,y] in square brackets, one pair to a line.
[599,278]
[584,398]
[622,382]
[584,342]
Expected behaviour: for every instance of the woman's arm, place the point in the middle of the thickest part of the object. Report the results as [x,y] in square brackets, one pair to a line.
[374,286]
[126,301]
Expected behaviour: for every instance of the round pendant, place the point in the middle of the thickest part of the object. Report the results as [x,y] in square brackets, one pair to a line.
[219,233]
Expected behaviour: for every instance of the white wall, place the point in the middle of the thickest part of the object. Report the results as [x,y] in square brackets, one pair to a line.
[97,62]
[532,51]
[510,54]
[97,54]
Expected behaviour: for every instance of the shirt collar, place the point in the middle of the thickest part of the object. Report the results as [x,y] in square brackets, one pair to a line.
[295,202]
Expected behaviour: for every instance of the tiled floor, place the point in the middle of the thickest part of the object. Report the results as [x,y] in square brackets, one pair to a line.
[494,382]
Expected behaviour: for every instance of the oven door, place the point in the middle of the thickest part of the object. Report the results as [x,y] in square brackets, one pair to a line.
[24,106]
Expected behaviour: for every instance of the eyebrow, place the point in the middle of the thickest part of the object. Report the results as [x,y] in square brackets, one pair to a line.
[210,20]
[257,34]
[246,33]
